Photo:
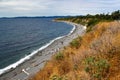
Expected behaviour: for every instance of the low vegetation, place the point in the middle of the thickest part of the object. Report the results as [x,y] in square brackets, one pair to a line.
[76,43]
[98,68]
[91,20]
[59,56]
[94,56]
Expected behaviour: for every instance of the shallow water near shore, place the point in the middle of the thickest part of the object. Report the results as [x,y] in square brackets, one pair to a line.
[20,37]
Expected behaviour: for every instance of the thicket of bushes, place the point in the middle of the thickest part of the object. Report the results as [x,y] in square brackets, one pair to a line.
[91,20]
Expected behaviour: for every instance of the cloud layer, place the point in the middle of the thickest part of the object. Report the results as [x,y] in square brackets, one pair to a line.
[56,7]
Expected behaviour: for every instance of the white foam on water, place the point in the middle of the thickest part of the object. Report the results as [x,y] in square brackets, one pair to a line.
[73,29]
[14,65]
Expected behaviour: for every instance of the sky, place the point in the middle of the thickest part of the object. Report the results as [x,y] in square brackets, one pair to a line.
[13,8]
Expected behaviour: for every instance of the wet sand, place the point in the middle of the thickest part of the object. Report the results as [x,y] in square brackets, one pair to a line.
[35,63]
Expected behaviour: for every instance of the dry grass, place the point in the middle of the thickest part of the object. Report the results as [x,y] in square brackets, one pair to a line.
[102,43]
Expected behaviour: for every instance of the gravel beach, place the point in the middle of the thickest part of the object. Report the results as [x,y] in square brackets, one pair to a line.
[35,63]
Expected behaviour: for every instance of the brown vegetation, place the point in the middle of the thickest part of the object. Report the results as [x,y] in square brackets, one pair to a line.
[94,56]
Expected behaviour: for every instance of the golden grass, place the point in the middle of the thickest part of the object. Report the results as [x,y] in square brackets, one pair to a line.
[102,43]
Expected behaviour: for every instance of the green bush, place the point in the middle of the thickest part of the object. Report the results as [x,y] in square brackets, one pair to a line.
[97,68]
[76,42]
[92,22]
[89,29]
[59,56]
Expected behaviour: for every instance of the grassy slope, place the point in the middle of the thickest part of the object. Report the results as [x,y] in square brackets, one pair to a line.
[97,56]
[94,56]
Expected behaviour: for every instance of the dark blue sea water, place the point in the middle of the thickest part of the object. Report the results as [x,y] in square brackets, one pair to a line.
[20,36]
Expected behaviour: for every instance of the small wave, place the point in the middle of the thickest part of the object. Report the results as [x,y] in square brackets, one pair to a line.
[14,65]
[73,29]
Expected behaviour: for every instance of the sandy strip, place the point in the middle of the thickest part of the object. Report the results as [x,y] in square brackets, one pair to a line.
[33,65]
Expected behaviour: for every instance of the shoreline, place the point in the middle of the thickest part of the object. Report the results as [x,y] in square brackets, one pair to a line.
[22,60]
[37,60]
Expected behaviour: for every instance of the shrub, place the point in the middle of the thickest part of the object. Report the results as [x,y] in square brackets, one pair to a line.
[59,56]
[97,68]
[89,29]
[92,22]
[76,42]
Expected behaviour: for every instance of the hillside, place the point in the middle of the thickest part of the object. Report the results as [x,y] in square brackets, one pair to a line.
[94,56]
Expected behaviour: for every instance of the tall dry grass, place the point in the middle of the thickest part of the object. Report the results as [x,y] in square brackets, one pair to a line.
[100,47]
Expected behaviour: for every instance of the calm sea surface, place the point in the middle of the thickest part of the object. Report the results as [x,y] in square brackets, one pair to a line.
[20,36]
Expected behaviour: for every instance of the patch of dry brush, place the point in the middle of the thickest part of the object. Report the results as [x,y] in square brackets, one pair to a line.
[95,56]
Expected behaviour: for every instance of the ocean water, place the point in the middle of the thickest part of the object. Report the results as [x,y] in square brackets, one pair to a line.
[19,37]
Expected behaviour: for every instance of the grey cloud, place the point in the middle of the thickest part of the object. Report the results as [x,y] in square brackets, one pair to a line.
[56,7]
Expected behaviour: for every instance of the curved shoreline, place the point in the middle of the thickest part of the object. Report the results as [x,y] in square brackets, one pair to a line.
[14,65]
[36,60]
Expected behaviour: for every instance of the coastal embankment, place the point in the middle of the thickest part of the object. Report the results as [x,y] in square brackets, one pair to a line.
[93,56]
[37,60]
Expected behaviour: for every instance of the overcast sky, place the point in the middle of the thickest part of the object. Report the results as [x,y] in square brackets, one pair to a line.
[11,8]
